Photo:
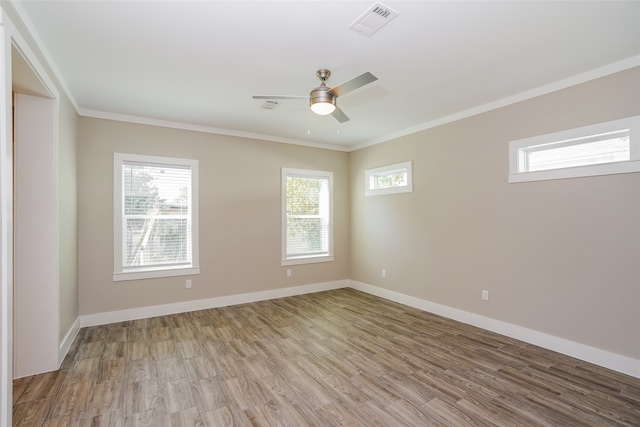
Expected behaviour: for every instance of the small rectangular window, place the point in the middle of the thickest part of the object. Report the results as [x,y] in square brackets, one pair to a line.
[155,221]
[307,229]
[590,150]
[388,179]
[602,149]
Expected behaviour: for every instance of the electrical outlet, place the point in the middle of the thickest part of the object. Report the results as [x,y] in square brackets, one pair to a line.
[383,274]
[188,283]
[289,274]
[485,295]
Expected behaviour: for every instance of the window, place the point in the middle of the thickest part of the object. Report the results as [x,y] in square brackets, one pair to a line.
[602,149]
[388,179]
[307,227]
[155,217]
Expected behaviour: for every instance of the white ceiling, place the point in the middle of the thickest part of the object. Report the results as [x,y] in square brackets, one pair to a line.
[197,63]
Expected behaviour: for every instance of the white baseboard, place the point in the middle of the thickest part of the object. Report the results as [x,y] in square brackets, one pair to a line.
[603,358]
[616,362]
[65,345]
[203,304]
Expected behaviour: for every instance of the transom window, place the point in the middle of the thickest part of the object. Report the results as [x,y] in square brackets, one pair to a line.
[602,149]
[307,228]
[155,217]
[389,179]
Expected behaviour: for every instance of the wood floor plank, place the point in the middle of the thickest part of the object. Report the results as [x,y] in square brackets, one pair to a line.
[108,419]
[210,393]
[374,389]
[19,386]
[614,408]
[374,415]
[245,392]
[449,414]
[190,417]
[70,420]
[270,414]
[72,399]
[43,386]
[411,415]
[223,417]
[31,413]
[338,357]
[106,397]
[199,368]
[83,370]
[178,396]
[141,369]
[143,395]
[150,418]
[479,407]
[334,414]
[343,390]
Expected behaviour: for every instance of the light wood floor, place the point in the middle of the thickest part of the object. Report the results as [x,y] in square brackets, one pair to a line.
[327,359]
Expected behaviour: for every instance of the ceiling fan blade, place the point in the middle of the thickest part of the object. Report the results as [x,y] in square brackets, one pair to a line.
[340,115]
[279,97]
[353,84]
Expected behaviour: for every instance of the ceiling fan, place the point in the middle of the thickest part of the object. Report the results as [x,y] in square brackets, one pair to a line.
[322,99]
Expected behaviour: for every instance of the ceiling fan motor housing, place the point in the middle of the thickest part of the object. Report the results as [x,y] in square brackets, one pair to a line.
[321,94]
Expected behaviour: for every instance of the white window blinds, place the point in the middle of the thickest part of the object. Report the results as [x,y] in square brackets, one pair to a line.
[155,214]
[156,219]
[307,227]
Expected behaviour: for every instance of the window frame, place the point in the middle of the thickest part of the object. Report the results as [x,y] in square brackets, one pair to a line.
[305,259]
[388,170]
[121,273]
[564,138]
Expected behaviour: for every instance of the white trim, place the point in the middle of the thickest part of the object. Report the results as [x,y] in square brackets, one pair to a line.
[306,260]
[203,304]
[616,362]
[123,276]
[127,118]
[67,341]
[576,172]
[597,73]
[6,224]
[629,166]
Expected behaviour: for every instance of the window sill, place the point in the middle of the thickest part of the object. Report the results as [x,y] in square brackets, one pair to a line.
[155,273]
[390,190]
[306,260]
[577,172]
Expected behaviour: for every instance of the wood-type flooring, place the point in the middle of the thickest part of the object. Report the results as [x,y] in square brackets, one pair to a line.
[335,358]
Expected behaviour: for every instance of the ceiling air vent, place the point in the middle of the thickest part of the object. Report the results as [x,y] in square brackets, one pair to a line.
[374,18]
[270,105]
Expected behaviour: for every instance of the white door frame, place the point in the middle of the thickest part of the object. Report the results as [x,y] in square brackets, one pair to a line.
[10,39]
[6,226]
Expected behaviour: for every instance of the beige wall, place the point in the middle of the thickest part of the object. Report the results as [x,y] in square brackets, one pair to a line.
[240,210]
[68,219]
[561,257]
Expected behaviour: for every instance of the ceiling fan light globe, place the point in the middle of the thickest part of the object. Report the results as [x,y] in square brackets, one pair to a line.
[323,108]
[321,101]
